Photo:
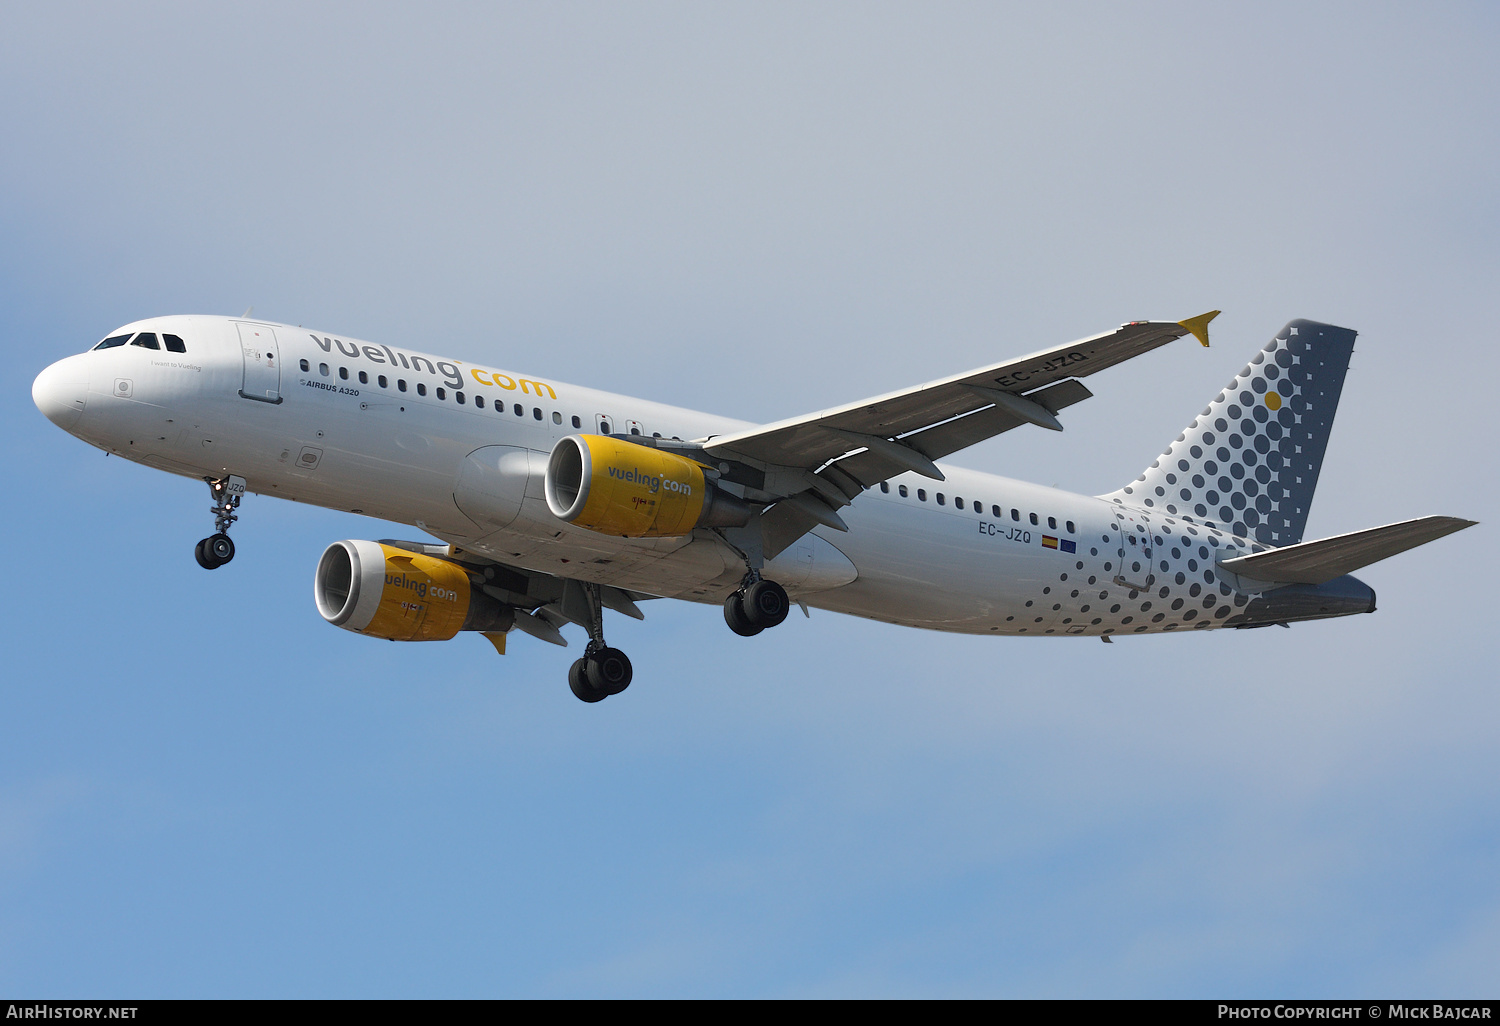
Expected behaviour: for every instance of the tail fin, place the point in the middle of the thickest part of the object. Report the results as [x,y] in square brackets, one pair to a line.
[1249,463]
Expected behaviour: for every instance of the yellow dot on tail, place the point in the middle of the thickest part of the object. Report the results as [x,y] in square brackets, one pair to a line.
[1273,401]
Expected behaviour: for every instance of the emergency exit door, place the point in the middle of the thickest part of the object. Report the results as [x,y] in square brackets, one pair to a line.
[1134,552]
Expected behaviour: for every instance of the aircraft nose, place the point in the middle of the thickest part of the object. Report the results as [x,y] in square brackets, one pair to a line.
[60,391]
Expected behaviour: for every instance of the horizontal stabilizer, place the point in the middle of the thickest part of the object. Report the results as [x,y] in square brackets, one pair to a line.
[1317,562]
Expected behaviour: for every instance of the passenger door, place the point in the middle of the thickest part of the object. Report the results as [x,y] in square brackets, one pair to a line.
[262,381]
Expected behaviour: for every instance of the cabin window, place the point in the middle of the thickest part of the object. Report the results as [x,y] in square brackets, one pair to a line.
[519,411]
[1070,527]
[120,340]
[304,365]
[958,503]
[996,512]
[885,486]
[344,373]
[323,369]
[536,413]
[556,417]
[174,344]
[922,494]
[146,340]
[577,423]
[401,384]
[1034,521]
[442,393]
[1052,523]
[1015,515]
[941,499]
[902,490]
[364,379]
[479,401]
[382,381]
[458,397]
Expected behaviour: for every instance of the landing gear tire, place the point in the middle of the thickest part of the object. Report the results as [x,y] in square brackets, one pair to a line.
[765,604]
[578,681]
[609,671]
[219,548]
[214,552]
[734,616]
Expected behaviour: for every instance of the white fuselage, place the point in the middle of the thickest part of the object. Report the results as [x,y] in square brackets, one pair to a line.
[388,432]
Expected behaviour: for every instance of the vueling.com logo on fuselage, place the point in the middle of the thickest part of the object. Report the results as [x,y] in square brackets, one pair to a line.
[653,483]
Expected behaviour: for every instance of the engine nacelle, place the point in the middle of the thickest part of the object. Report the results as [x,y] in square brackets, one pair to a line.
[612,486]
[386,592]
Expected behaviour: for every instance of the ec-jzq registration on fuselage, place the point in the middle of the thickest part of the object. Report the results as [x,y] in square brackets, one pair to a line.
[555,502]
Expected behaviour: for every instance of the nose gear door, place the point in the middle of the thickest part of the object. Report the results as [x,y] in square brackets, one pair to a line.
[262,381]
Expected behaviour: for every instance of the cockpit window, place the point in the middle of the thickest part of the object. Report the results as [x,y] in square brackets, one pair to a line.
[174,344]
[112,341]
[146,340]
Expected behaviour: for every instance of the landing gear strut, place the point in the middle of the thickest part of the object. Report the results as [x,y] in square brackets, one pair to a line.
[757,604]
[603,671]
[216,550]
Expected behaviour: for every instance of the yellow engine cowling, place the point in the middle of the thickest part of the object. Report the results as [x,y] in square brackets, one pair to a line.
[387,592]
[612,486]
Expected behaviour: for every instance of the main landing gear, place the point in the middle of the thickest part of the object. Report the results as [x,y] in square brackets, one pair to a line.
[216,550]
[758,604]
[603,671]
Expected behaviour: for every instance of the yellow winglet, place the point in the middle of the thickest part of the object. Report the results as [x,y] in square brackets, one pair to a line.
[496,638]
[1199,325]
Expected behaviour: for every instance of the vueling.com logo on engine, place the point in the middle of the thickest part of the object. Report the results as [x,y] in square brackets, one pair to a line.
[419,586]
[653,483]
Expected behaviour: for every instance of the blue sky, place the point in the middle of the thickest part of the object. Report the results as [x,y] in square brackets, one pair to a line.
[759,210]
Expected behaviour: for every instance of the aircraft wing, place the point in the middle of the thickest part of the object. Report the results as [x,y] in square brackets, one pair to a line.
[821,461]
[932,420]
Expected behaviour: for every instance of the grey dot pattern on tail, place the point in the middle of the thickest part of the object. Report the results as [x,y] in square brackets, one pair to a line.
[1249,463]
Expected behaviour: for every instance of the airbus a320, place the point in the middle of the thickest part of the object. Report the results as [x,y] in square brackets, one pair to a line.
[552,503]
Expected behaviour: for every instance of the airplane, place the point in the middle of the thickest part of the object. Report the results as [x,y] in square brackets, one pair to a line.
[552,502]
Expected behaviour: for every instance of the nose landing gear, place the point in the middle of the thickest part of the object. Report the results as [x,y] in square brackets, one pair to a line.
[216,550]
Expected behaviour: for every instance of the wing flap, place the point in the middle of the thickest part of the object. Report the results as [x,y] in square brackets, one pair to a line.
[1318,562]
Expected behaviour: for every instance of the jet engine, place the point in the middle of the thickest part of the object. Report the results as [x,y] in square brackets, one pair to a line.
[612,486]
[387,592]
